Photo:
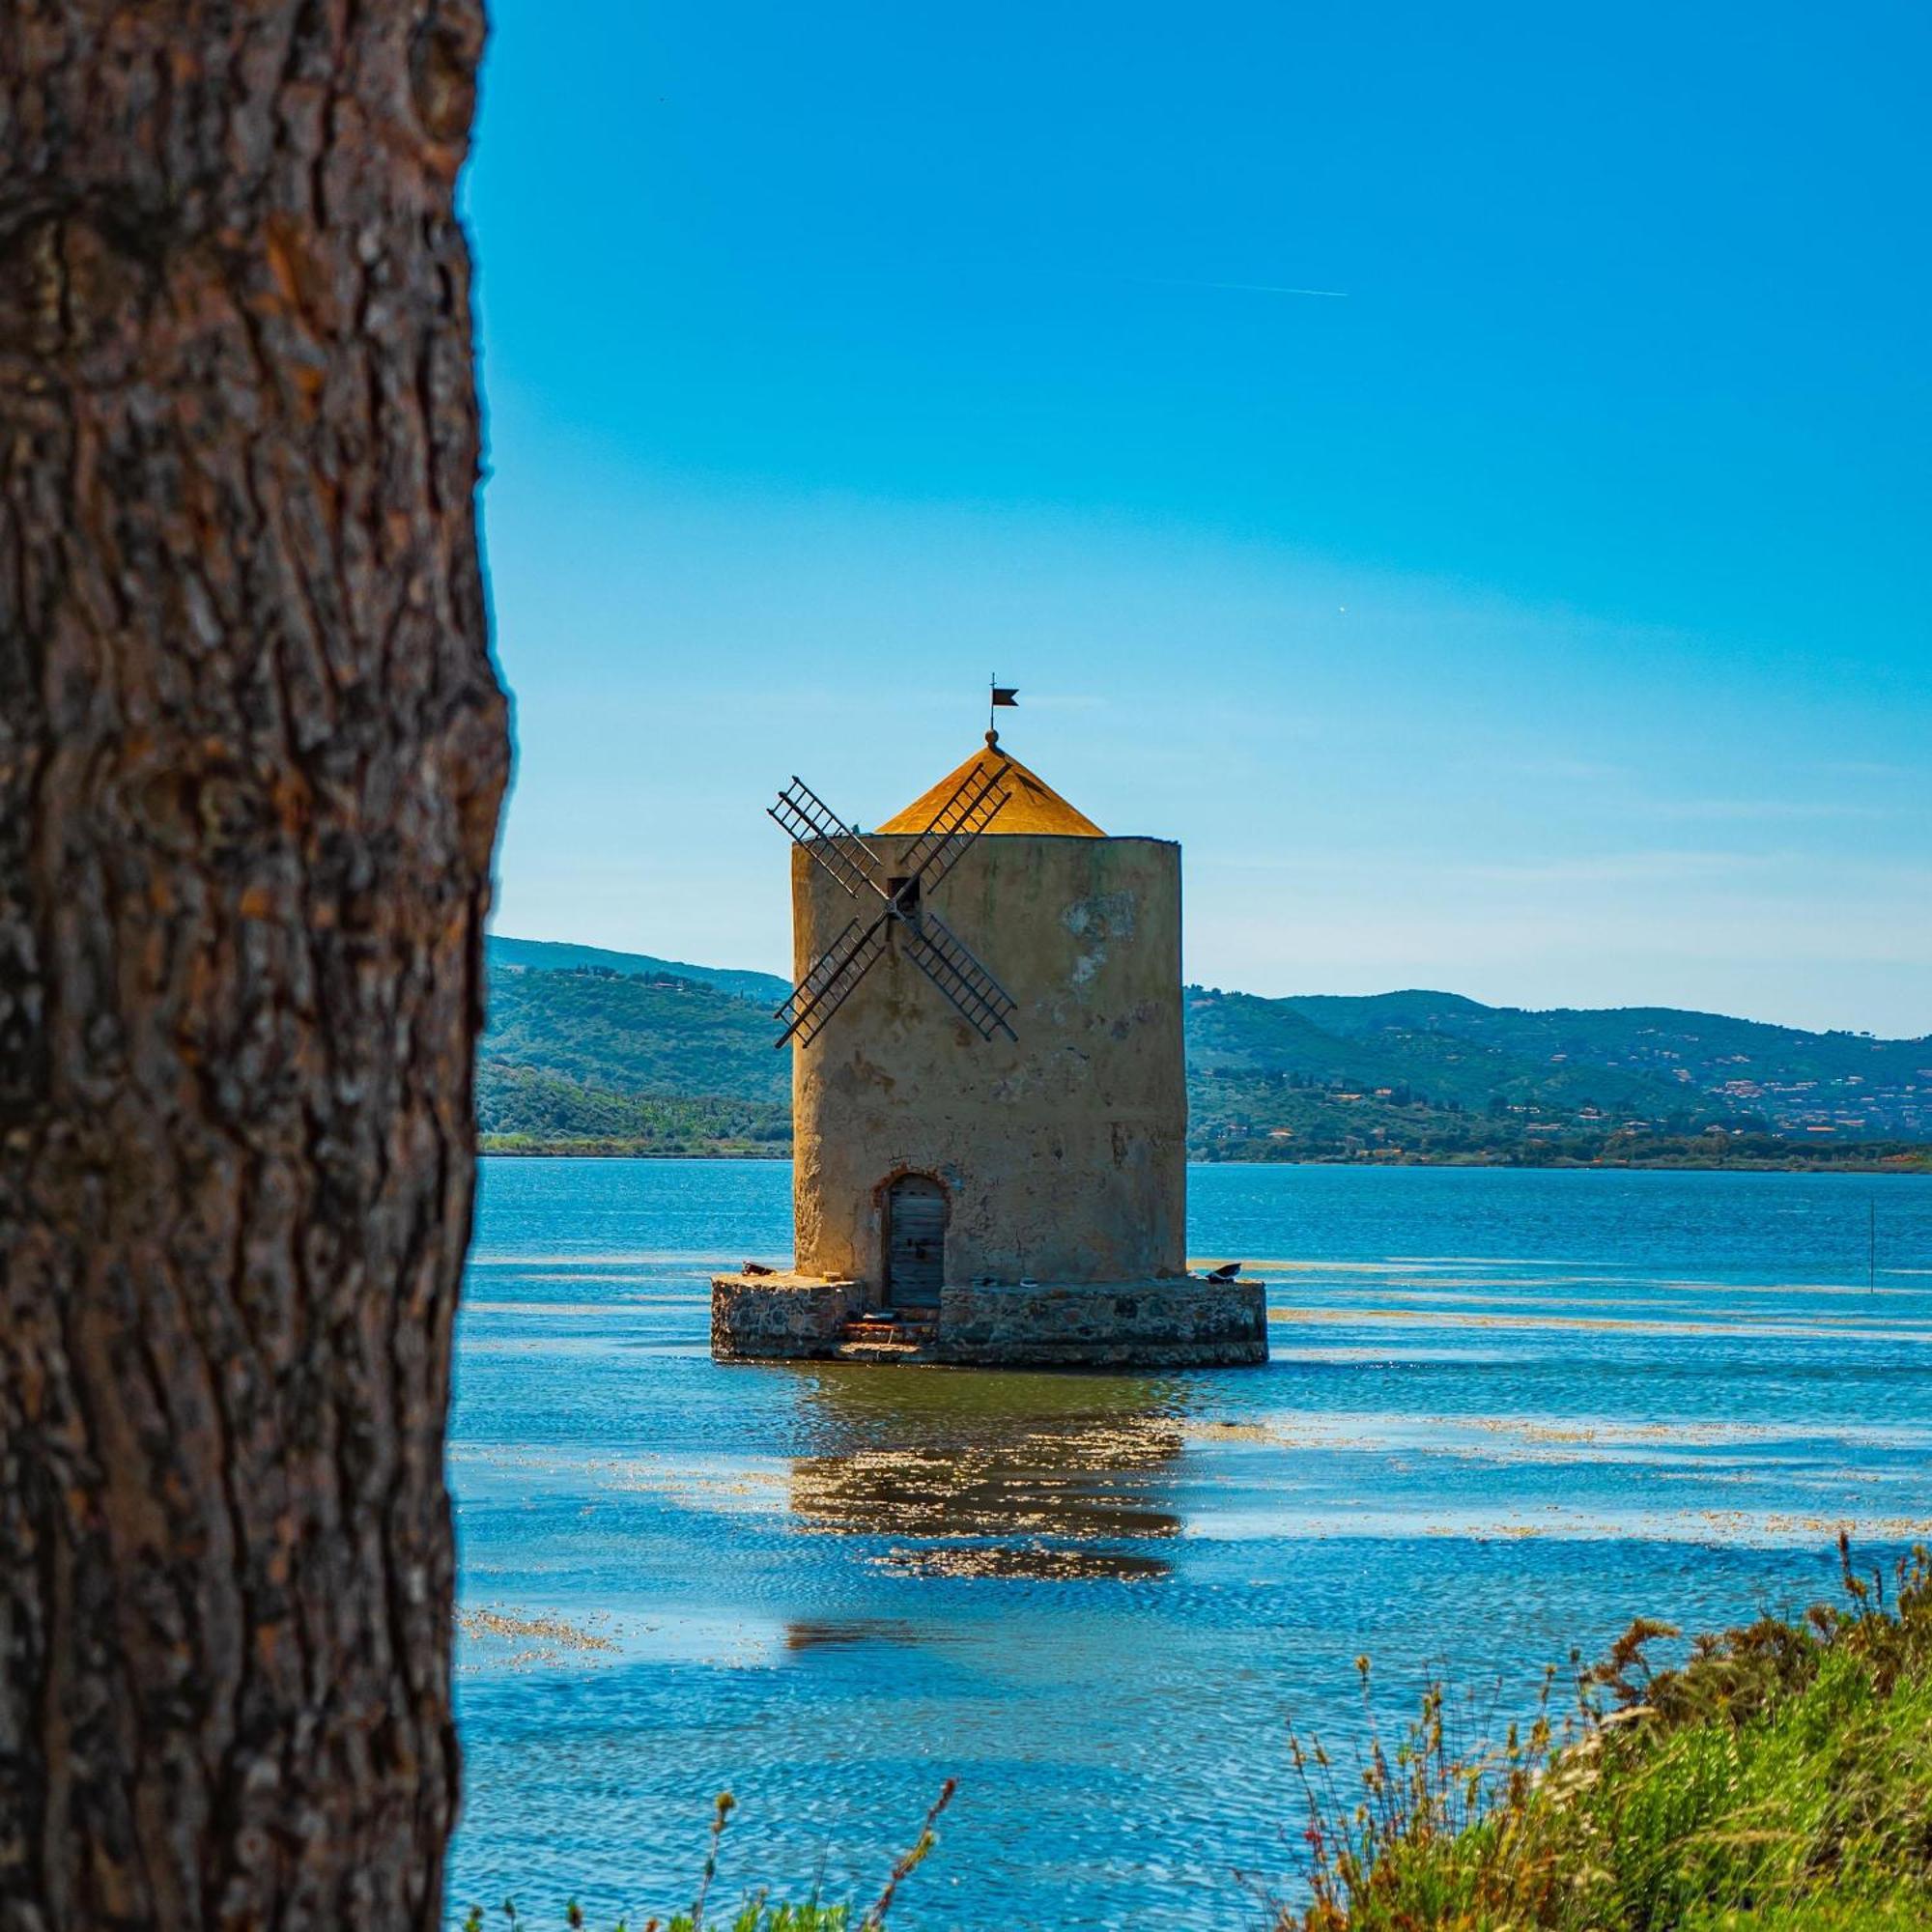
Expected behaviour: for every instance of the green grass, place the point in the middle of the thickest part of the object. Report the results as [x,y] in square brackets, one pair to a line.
[1780,1782]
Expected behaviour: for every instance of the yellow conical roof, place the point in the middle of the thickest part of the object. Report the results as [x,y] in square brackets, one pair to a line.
[1031,804]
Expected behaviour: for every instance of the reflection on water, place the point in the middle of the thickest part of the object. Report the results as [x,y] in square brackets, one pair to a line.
[837,1634]
[1006,1475]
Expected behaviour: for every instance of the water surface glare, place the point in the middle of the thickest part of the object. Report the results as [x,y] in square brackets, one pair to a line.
[1507,1410]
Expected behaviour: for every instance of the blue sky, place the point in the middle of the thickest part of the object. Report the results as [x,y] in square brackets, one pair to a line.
[1542,614]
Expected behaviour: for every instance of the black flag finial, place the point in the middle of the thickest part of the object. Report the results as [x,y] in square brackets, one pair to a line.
[1003,695]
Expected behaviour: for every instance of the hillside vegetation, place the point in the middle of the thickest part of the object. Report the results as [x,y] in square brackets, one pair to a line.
[1784,1075]
[661,1037]
[623,1051]
[522,1110]
[549,956]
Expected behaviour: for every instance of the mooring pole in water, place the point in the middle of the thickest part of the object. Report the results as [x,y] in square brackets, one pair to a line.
[1871,1248]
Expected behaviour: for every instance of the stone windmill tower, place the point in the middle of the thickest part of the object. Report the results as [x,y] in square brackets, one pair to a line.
[988,1090]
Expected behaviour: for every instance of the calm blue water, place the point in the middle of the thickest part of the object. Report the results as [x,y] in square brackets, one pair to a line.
[1507,1410]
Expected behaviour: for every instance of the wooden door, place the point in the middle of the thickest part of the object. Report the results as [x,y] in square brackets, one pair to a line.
[915,1241]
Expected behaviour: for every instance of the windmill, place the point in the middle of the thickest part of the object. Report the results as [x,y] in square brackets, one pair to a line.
[896,902]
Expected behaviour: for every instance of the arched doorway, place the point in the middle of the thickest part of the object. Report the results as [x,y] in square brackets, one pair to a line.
[915,1241]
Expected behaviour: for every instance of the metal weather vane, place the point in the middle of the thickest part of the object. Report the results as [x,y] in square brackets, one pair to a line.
[939,952]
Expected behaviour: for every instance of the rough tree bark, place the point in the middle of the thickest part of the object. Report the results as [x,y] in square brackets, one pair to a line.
[251,754]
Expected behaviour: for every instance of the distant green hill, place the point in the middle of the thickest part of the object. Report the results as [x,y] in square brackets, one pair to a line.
[1237,1031]
[549,956]
[520,1107]
[588,1045]
[665,1038]
[1707,1051]
[1560,1072]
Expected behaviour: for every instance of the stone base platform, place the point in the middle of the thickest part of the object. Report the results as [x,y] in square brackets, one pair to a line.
[1183,1322]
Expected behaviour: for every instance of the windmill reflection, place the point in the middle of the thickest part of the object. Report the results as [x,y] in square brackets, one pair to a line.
[993,1474]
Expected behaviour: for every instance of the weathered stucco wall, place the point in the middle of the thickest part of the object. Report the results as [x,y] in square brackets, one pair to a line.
[1064,1155]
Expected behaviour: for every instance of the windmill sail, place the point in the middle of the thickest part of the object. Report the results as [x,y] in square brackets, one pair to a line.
[932,947]
[942,956]
[960,820]
[823,990]
[834,844]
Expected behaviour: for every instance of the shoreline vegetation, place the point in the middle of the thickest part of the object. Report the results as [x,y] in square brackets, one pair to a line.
[1688,1155]
[1778,1779]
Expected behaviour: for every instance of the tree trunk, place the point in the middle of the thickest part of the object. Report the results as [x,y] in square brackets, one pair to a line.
[251,754]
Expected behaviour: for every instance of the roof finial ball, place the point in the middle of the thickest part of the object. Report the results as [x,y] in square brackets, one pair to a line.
[989,1094]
